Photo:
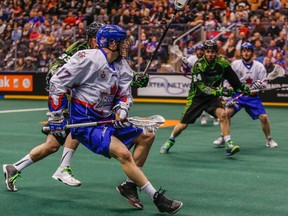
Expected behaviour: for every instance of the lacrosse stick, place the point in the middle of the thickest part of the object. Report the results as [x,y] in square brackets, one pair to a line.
[278,71]
[178,5]
[150,123]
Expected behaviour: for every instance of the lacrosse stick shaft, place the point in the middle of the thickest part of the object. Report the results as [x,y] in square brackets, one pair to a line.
[178,5]
[159,43]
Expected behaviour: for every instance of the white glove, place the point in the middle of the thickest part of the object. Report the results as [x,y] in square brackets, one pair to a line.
[121,124]
[257,85]
[123,110]
[230,103]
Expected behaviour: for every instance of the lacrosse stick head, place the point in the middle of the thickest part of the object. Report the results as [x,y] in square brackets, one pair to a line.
[180,4]
[151,123]
[278,71]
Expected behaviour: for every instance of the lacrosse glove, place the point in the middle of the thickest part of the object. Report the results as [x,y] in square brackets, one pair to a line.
[57,123]
[257,85]
[140,80]
[224,91]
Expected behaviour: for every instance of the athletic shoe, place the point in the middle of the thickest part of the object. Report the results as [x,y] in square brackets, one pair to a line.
[215,121]
[166,146]
[231,149]
[203,120]
[129,191]
[219,142]
[64,175]
[10,174]
[164,204]
[271,144]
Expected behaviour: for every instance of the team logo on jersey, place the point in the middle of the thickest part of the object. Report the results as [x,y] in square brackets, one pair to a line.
[249,80]
[81,54]
[103,75]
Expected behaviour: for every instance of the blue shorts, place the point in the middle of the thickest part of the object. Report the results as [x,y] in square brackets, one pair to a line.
[98,139]
[252,104]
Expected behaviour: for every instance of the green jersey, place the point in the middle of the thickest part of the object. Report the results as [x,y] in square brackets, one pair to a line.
[62,59]
[207,77]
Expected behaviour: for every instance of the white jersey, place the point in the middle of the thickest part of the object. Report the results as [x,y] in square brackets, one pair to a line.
[188,63]
[249,73]
[96,86]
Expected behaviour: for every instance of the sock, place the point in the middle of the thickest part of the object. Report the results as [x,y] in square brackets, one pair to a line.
[227,138]
[149,190]
[23,163]
[269,138]
[66,157]
[172,137]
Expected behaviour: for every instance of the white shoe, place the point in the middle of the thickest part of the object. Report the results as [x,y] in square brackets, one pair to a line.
[203,120]
[271,144]
[215,121]
[64,175]
[219,142]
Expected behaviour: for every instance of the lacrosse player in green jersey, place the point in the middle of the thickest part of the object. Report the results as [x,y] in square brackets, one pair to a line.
[204,95]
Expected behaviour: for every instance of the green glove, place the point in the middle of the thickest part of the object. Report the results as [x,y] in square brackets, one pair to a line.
[226,92]
[140,80]
[245,90]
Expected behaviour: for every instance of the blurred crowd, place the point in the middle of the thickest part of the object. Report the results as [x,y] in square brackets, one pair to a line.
[35,32]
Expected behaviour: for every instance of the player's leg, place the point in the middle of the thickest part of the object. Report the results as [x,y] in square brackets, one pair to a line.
[64,171]
[123,155]
[266,129]
[128,188]
[193,109]
[203,119]
[223,117]
[177,130]
[12,171]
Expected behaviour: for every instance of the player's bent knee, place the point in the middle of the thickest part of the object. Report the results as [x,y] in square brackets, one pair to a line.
[263,118]
[124,156]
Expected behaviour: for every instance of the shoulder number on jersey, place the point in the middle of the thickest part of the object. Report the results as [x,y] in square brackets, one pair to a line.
[197,77]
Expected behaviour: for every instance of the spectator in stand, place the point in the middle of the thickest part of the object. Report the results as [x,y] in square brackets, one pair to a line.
[56,31]
[189,49]
[264,5]
[16,33]
[34,35]
[241,9]
[259,27]
[80,31]
[273,48]
[281,40]
[198,19]
[280,60]
[2,27]
[266,17]
[242,38]
[259,50]
[67,34]
[219,4]
[80,18]
[47,38]
[256,36]
[102,16]
[211,23]
[42,62]
[70,19]
[232,5]
[269,54]
[89,12]
[273,30]
[7,33]
[228,17]
[274,5]
[114,17]
[268,64]
[29,65]
[221,51]
[244,28]
[20,64]
[231,50]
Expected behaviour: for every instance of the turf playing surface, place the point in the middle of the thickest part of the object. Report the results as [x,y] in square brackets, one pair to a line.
[253,182]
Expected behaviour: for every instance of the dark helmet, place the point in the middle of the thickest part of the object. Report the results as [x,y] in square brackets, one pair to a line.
[199,46]
[110,32]
[247,46]
[93,29]
[210,44]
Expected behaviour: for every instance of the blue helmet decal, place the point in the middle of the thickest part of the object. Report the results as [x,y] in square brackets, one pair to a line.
[110,32]
[199,46]
[248,46]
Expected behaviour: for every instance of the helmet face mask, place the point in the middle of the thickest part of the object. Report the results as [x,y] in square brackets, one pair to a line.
[210,50]
[114,38]
[247,50]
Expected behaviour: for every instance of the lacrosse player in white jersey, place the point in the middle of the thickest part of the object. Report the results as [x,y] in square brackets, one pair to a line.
[252,73]
[99,80]
[186,66]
